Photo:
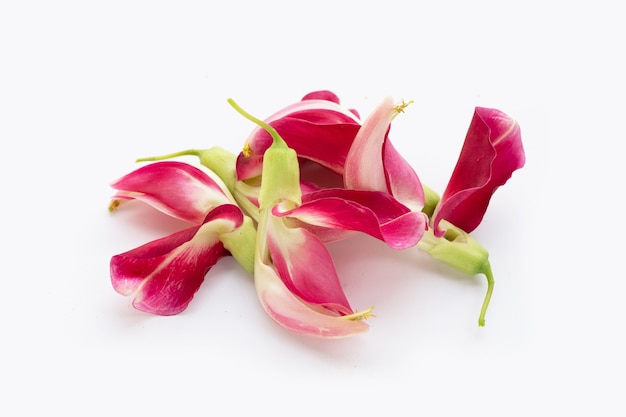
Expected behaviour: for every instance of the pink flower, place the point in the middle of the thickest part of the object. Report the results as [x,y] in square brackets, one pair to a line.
[164,275]
[295,276]
[491,152]
[297,283]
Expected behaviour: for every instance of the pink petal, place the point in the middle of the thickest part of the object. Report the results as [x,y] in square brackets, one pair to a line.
[249,165]
[364,169]
[166,273]
[175,188]
[317,129]
[403,182]
[374,213]
[374,164]
[322,95]
[492,151]
[292,313]
[305,266]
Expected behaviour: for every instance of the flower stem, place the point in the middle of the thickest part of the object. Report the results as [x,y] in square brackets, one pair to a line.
[459,250]
[261,123]
[192,152]
[490,284]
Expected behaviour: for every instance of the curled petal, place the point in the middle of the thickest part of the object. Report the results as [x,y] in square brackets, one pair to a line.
[318,128]
[305,266]
[402,180]
[175,188]
[165,274]
[375,213]
[292,313]
[374,164]
[492,151]
[249,165]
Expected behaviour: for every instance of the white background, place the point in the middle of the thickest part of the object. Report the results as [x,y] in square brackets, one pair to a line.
[87,87]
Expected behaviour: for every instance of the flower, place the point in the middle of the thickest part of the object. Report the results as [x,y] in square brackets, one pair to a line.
[297,283]
[185,192]
[295,276]
[164,275]
[270,209]
[492,151]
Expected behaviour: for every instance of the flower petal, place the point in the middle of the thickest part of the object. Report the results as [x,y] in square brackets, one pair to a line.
[322,95]
[317,128]
[374,164]
[305,266]
[292,313]
[402,180]
[492,151]
[175,188]
[166,273]
[374,213]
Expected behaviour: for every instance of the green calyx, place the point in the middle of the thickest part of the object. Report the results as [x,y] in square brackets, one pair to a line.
[431,199]
[459,250]
[241,243]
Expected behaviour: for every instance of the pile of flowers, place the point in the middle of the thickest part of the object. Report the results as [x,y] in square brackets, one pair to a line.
[312,173]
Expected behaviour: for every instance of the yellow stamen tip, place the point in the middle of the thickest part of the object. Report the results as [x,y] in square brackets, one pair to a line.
[115,204]
[247,152]
[399,108]
[360,315]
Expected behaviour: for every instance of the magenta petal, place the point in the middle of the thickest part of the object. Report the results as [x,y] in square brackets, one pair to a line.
[374,213]
[317,129]
[175,188]
[326,144]
[403,182]
[492,151]
[130,269]
[322,95]
[305,266]
[249,166]
[172,287]
[166,273]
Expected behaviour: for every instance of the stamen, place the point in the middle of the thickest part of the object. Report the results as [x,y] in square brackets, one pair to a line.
[247,152]
[115,204]
[360,315]
[399,108]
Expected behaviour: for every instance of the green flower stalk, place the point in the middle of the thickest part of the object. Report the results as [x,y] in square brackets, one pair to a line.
[459,250]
